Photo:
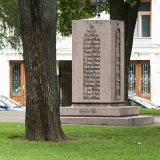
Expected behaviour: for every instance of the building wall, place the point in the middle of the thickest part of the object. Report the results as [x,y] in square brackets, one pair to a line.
[149,49]
[5,57]
[155,22]
[155,77]
[4,72]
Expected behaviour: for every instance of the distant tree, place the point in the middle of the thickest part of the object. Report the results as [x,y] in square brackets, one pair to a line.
[72,10]
[38,30]
[9,25]
[119,10]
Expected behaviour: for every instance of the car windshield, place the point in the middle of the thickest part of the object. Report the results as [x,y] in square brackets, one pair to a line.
[144,102]
[1,104]
[10,102]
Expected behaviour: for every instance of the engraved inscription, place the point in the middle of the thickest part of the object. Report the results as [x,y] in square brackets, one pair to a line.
[88,111]
[91,64]
[117,66]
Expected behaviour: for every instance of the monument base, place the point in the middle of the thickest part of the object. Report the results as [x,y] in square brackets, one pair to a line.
[113,116]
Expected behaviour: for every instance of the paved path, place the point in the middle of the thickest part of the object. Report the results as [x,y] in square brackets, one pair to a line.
[9,116]
[12,116]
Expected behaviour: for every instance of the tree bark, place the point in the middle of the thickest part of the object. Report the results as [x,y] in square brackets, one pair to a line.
[117,11]
[120,10]
[38,30]
[130,21]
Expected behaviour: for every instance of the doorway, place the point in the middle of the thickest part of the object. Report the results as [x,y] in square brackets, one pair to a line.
[65,81]
[17,82]
[139,79]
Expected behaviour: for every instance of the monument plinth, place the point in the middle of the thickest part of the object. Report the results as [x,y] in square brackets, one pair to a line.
[98,76]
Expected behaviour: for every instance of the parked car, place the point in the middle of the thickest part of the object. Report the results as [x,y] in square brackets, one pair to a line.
[7,104]
[142,102]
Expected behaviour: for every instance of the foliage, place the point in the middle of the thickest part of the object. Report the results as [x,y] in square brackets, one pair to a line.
[86,142]
[132,2]
[78,9]
[74,10]
[67,11]
[9,24]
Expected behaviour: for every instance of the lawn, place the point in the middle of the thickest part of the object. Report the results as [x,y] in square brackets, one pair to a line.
[87,143]
[155,112]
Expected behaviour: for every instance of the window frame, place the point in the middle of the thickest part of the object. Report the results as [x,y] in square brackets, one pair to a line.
[139,20]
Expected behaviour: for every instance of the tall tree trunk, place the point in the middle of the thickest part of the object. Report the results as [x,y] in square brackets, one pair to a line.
[120,10]
[38,30]
[130,21]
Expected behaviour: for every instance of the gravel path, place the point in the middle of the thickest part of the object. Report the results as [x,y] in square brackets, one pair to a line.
[9,116]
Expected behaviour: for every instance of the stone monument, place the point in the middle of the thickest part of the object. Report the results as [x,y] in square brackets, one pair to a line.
[98,76]
[98,63]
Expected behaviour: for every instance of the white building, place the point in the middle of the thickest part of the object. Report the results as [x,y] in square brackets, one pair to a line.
[146,51]
[144,77]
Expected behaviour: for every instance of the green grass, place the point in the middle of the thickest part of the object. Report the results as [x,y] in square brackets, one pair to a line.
[150,111]
[90,143]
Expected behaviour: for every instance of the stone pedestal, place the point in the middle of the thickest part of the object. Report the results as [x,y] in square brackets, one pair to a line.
[98,76]
[98,62]
[112,116]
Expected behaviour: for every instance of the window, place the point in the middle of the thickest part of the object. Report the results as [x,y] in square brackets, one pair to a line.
[139,79]
[142,27]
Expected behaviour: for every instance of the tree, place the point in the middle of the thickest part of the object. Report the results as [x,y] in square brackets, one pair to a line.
[9,24]
[72,10]
[38,31]
[119,10]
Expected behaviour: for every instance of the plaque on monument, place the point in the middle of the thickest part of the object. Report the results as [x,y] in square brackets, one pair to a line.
[98,61]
